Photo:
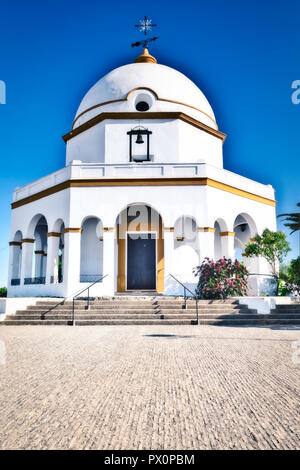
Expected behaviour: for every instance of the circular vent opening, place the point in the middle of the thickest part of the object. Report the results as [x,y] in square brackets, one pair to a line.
[142,106]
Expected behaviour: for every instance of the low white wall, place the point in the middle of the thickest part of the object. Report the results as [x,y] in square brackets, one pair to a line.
[264,305]
[9,306]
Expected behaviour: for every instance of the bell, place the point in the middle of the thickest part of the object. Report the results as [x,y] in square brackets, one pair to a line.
[139,139]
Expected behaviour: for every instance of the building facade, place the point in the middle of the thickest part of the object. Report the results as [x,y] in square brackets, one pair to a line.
[143,196]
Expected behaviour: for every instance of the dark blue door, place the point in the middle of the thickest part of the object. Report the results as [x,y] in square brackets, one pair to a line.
[141,262]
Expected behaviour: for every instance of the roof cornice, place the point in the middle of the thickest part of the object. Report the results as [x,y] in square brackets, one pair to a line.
[119,182]
[148,115]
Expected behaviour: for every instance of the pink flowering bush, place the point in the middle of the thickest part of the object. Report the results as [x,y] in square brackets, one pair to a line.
[221,279]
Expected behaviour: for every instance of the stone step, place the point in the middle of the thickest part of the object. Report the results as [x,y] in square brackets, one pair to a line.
[152,311]
[133,302]
[89,316]
[287,308]
[183,314]
[219,322]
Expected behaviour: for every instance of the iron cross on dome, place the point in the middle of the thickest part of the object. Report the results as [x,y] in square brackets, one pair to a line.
[145,26]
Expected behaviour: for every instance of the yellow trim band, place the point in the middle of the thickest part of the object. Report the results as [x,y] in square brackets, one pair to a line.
[206,229]
[53,234]
[227,234]
[105,182]
[72,230]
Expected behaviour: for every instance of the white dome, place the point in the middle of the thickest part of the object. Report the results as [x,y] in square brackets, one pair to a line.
[173,91]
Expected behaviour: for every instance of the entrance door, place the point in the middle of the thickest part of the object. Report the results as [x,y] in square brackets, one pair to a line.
[141,262]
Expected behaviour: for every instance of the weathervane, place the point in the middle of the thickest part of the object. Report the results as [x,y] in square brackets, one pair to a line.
[145,26]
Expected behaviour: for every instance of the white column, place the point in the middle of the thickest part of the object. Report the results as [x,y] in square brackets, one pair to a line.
[27,254]
[62,262]
[207,242]
[168,255]
[72,260]
[52,258]
[109,261]
[38,272]
[227,245]
[44,264]
[11,263]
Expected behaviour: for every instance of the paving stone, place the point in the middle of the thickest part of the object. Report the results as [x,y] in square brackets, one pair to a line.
[149,387]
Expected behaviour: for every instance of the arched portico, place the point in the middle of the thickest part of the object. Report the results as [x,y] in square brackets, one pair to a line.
[140,247]
[91,250]
[16,259]
[245,229]
[186,253]
[34,251]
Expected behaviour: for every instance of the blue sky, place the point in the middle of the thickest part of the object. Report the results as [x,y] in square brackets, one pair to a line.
[243,55]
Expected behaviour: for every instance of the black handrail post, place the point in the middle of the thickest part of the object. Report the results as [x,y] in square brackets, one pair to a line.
[73,312]
[81,292]
[193,296]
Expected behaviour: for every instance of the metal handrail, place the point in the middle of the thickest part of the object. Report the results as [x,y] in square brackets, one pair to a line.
[52,308]
[88,299]
[185,297]
[72,296]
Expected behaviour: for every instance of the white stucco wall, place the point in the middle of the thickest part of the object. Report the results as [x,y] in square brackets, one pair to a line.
[204,204]
[171,141]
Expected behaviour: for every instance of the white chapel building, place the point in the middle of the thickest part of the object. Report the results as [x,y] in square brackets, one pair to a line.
[143,195]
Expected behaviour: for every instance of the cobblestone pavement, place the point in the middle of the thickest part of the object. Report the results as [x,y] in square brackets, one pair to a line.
[149,387]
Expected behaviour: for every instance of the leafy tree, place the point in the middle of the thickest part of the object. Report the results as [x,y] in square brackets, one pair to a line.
[272,246]
[292,221]
[221,279]
[283,272]
[294,271]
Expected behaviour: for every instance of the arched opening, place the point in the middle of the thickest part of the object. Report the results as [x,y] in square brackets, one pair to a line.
[140,249]
[57,252]
[36,259]
[91,254]
[217,242]
[186,248]
[244,229]
[220,242]
[16,259]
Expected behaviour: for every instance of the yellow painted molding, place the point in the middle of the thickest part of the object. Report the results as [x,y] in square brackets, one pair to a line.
[53,234]
[72,230]
[28,240]
[227,234]
[144,115]
[108,229]
[107,182]
[240,192]
[206,229]
[15,243]
[168,229]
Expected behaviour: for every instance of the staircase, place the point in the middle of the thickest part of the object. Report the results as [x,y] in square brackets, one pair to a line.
[150,310]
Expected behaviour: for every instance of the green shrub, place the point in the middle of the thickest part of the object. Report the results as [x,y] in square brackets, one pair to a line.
[3,292]
[221,279]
